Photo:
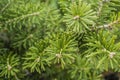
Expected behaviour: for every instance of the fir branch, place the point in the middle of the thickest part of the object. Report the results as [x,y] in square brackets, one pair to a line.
[109,25]
[22,17]
[100,8]
[59,50]
[6,6]
[104,26]
[101,5]
[16,77]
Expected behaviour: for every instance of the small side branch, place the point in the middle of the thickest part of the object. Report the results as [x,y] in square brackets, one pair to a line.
[100,8]
[109,25]
[22,17]
[3,9]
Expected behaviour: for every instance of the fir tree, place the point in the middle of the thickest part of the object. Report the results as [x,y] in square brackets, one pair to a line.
[59,39]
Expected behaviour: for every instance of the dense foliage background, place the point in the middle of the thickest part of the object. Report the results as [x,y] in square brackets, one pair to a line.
[59,39]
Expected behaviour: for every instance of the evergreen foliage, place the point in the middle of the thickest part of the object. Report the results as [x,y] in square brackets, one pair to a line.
[59,39]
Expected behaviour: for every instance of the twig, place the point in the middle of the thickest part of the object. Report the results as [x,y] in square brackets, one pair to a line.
[16,77]
[103,26]
[22,17]
[100,8]
[109,25]
[101,4]
[5,7]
